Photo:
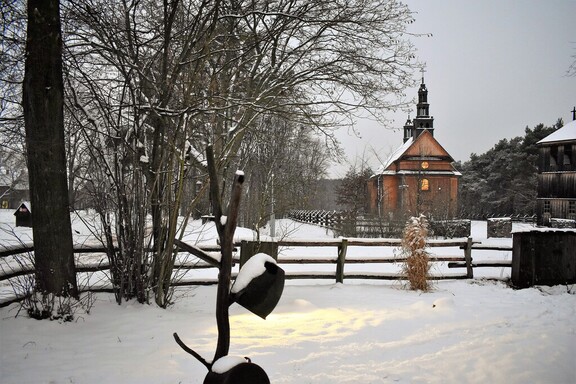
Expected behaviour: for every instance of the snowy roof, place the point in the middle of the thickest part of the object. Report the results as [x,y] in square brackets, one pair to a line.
[566,133]
[395,156]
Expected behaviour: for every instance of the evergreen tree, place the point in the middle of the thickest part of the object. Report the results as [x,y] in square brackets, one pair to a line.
[502,181]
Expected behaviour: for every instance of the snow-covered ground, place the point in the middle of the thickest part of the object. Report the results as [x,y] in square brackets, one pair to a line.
[475,331]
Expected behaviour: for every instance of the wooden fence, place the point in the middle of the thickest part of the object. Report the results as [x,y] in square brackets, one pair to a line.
[339,261]
[366,226]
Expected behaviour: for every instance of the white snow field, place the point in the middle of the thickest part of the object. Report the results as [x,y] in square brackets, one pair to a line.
[464,331]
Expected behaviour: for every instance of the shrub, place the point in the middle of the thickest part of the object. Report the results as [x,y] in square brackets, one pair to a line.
[417,262]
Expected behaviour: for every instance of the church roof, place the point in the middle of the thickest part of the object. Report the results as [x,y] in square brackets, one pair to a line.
[395,156]
[566,133]
[412,148]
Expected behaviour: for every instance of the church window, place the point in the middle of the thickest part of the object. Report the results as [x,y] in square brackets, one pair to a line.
[572,207]
[424,185]
[546,206]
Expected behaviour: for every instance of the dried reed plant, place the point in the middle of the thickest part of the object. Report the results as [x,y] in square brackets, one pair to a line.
[417,262]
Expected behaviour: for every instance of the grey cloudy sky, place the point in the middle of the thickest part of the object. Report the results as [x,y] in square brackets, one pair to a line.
[493,67]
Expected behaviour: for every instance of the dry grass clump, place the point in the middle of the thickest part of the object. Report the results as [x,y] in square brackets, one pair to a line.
[417,262]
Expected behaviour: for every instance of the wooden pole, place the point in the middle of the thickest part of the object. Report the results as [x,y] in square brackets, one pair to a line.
[468,258]
[225,225]
[341,260]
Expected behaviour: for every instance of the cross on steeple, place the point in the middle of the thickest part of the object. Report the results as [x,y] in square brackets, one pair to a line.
[573,113]
[422,70]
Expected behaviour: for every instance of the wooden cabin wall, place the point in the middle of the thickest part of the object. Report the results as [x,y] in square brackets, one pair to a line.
[558,208]
[557,185]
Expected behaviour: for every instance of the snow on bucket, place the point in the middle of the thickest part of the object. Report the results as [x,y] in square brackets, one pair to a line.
[236,370]
[259,285]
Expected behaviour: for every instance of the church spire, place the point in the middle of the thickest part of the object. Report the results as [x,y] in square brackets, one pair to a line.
[408,129]
[423,120]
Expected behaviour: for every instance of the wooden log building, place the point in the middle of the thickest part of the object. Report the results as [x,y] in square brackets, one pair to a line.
[557,175]
[419,176]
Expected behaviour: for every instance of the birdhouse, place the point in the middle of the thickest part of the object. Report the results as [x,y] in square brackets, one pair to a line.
[259,285]
[23,215]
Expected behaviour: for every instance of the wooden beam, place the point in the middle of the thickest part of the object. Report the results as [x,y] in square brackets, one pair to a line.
[199,253]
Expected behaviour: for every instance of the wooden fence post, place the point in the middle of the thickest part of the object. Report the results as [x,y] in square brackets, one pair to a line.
[468,258]
[341,260]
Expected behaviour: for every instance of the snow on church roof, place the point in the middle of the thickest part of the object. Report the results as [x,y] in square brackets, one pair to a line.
[395,156]
[567,132]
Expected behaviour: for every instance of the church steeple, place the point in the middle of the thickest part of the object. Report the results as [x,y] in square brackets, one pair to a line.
[408,129]
[423,120]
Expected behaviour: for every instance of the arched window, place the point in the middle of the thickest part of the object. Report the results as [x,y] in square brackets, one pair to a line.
[424,185]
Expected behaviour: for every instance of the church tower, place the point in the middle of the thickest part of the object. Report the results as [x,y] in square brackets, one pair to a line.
[423,120]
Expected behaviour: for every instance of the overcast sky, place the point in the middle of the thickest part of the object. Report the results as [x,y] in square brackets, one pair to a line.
[493,67]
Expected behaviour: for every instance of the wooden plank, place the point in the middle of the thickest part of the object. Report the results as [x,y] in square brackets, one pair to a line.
[17,272]
[357,260]
[199,253]
[368,243]
[10,251]
[480,264]
[481,247]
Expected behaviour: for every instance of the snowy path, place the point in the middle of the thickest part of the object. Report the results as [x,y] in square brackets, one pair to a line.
[463,332]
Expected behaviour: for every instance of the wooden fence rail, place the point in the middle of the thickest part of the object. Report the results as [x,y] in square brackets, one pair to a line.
[340,259]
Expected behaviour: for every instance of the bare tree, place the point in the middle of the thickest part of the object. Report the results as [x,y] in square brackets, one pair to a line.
[353,190]
[160,80]
[43,95]
[283,162]
[12,46]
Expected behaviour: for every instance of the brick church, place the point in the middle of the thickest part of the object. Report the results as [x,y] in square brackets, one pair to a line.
[419,176]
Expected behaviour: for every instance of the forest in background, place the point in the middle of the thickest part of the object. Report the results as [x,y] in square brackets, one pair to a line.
[503,180]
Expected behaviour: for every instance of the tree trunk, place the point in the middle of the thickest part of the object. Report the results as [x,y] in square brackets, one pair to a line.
[43,116]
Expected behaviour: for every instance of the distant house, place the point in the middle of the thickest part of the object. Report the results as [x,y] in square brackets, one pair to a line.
[557,175]
[419,176]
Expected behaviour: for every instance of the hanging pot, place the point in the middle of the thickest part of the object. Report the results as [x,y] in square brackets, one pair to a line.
[259,285]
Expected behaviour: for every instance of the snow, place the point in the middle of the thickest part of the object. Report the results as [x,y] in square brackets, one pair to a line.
[226,363]
[253,268]
[239,173]
[566,133]
[464,331]
[394,156]
[500,219]
[544,229]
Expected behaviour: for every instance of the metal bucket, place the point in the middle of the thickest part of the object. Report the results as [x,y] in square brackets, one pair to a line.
[263,292]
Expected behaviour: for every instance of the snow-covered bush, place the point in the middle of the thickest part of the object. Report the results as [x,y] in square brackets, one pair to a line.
[417,262]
